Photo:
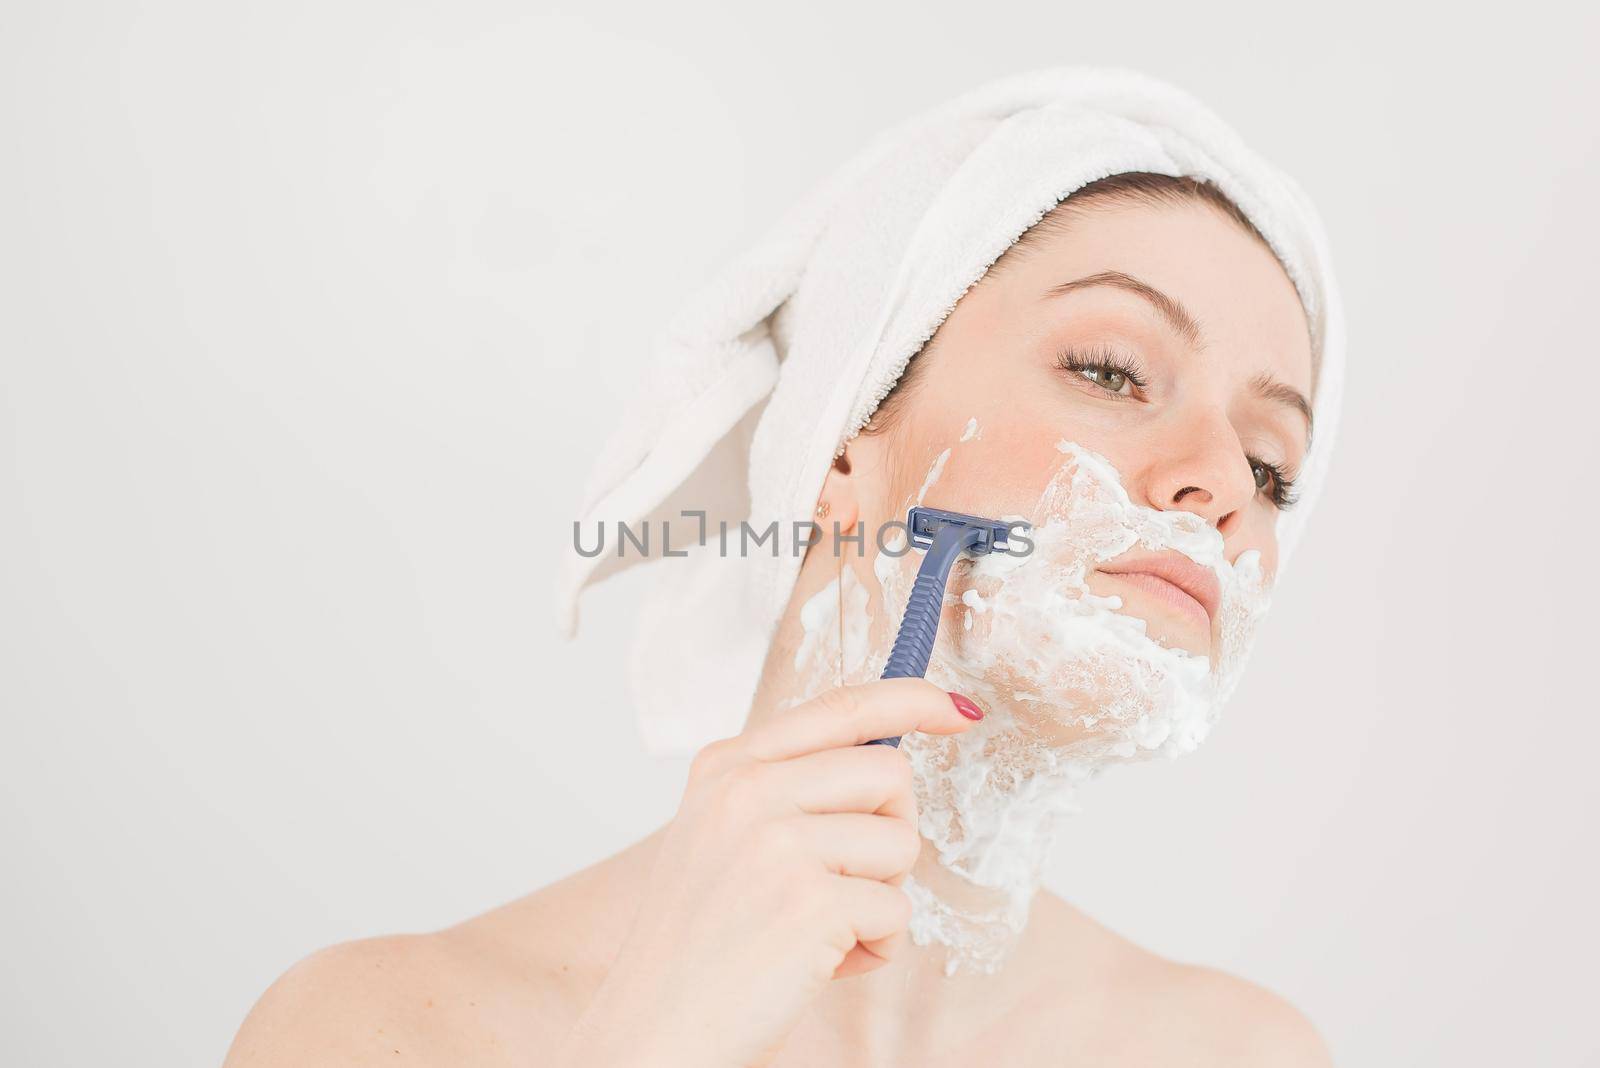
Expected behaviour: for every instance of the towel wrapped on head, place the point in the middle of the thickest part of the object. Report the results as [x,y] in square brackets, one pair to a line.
[767,371]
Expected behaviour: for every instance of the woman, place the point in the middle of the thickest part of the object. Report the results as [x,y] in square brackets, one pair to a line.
[1131,384]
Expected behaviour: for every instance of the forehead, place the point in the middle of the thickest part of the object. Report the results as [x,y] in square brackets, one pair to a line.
[1226,278]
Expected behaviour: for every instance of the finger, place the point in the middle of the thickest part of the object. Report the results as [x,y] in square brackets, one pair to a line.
[860,778]
[864,957]
[859,844]
[874,950]
[852,715]
[885,948]
[875,910]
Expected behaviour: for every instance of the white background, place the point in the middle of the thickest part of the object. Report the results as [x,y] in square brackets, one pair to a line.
[312,313]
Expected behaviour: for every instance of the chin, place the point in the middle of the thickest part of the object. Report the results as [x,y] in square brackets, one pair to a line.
[1173,634]
[1048,727]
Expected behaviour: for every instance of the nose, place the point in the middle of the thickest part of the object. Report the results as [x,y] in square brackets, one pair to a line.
[1201,467]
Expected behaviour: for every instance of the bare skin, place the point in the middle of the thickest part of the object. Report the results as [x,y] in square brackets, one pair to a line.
[505,987]
[508,986]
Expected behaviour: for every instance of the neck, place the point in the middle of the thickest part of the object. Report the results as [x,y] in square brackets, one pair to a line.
[912,1010]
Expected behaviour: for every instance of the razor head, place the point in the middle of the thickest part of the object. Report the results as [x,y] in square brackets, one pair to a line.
[924,523]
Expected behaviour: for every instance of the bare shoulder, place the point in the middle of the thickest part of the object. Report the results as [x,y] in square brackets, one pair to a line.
[343,1004]
[1243,1023]
[396,999]
[1142,1008]
[494,989]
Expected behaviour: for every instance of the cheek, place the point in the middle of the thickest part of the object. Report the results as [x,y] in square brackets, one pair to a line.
[1001,467]
[992,475]
[1001,431]
[1261,535]
[998,464]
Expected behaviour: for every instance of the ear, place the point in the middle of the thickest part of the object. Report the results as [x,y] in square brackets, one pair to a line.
[840,496]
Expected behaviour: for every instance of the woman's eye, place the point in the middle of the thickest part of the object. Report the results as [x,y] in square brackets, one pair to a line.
[1113,372]
[1271,480]
[1108,377]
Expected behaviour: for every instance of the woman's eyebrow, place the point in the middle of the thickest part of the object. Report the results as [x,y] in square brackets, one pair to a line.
[1174,313]
[1269,388]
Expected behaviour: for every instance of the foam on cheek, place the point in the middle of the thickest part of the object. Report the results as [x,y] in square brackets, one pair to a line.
[1040,637]
[933,474]
[1071,685]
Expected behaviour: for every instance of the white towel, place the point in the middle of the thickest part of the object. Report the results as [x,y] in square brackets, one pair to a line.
[771,368]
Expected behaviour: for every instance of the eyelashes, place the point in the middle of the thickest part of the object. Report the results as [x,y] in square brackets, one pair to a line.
[1280,488]
[1113,372]
[1102,365]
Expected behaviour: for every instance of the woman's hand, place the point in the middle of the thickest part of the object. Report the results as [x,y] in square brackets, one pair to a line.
[780,871]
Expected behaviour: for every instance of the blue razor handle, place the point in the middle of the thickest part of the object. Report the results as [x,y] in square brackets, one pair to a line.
[945,536]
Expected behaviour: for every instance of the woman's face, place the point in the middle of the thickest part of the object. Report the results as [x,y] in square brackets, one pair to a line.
[1166,339]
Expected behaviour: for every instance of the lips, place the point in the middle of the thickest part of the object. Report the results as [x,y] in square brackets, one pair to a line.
[1172,576]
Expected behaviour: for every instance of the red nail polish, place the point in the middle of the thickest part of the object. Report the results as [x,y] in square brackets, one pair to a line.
[966,707]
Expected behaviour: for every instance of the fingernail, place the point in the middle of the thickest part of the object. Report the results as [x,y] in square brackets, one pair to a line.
[966,707]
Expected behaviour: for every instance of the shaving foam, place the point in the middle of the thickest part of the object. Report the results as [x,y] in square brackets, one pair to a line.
[1069,683]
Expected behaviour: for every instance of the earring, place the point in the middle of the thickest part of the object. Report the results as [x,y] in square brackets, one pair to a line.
[822,510]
